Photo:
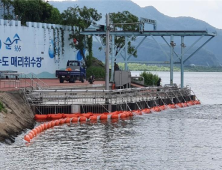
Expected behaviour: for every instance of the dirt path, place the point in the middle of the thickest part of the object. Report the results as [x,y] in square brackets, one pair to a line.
[18,117]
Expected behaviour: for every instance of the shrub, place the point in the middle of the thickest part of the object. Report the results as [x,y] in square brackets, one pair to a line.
[98,72]
[2,107]
[149,78]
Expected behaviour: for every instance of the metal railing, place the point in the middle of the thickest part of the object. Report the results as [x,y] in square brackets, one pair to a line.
[121,96]
[22,81]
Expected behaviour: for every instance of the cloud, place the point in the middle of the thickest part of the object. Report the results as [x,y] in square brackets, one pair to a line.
[207,10]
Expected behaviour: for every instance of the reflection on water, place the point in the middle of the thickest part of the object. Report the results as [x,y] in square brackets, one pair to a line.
[187,138]
[184,138]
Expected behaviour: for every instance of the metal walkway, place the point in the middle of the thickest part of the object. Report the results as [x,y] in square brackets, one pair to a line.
[98,101]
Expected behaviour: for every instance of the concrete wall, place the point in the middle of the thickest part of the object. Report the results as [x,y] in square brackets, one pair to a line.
[35,48]
[18,117]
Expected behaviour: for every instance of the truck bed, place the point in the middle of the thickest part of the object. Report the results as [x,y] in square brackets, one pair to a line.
[67,73]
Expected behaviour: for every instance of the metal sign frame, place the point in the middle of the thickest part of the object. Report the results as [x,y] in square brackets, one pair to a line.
[152,34]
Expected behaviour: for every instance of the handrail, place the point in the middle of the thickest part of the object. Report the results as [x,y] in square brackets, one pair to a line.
[27,102]
[105,91]
[40,85]
[21,82]
[119,96]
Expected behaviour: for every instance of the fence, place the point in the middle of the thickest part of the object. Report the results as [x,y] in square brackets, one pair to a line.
[107,100]
[14,80]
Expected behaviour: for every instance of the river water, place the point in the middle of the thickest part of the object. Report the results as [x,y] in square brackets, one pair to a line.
[184,138]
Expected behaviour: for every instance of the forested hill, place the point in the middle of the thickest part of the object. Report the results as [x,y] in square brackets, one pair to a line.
[211,54]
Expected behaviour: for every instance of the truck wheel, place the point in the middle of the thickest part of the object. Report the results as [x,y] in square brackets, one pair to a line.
[72,79]
[82,79]
[61,80]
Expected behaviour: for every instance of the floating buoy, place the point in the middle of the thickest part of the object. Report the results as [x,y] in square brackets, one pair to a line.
[45,126]
[27,138]
[172,106]
[42,126]
[41,117]
[137,112]
[127,114]
[67,120]
[70,115]
[56,116]
[103,117]
[130,114]
[53,123]
[162,107]
[74,119]
[122,115]
[30,135]
[77,117]
[35,131]
[56,122]
[146,111]
[93,117]
[87,115]
[82,119]
[180,104]
[49,124]
[62,121]
[166,107]
[191,103]
[156,109]
[185,104]
[114,116]
[196,102]
[38,130]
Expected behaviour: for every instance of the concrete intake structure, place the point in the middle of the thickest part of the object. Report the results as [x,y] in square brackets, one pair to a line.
[95,101]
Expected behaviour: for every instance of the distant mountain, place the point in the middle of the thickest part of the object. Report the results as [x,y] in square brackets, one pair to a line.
[211,54]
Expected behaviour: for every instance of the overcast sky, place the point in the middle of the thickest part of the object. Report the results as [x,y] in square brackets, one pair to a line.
[206,10]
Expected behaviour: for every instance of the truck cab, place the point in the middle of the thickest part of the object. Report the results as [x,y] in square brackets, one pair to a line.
[74,65]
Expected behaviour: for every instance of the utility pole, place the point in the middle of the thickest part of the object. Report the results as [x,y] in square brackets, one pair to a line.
[181,61]
[107,53]
[172,44]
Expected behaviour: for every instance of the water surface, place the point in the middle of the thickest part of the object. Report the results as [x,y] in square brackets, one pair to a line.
[184,138]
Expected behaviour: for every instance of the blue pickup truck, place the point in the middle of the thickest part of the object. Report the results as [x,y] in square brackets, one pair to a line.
[75,70]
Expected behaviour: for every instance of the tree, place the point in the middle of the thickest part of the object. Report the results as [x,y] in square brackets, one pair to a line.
[81,18]
[150,79]
[55,17]
[36,11]
[7,9]
[124,18]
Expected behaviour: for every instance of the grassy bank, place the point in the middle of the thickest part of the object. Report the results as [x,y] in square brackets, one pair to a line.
[145,67]
[2,108]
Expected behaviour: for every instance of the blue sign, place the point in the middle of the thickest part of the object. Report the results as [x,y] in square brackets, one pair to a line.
[0,44]
[54,49]
[51,49]
[21,61]
[79,55]
[8,43]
